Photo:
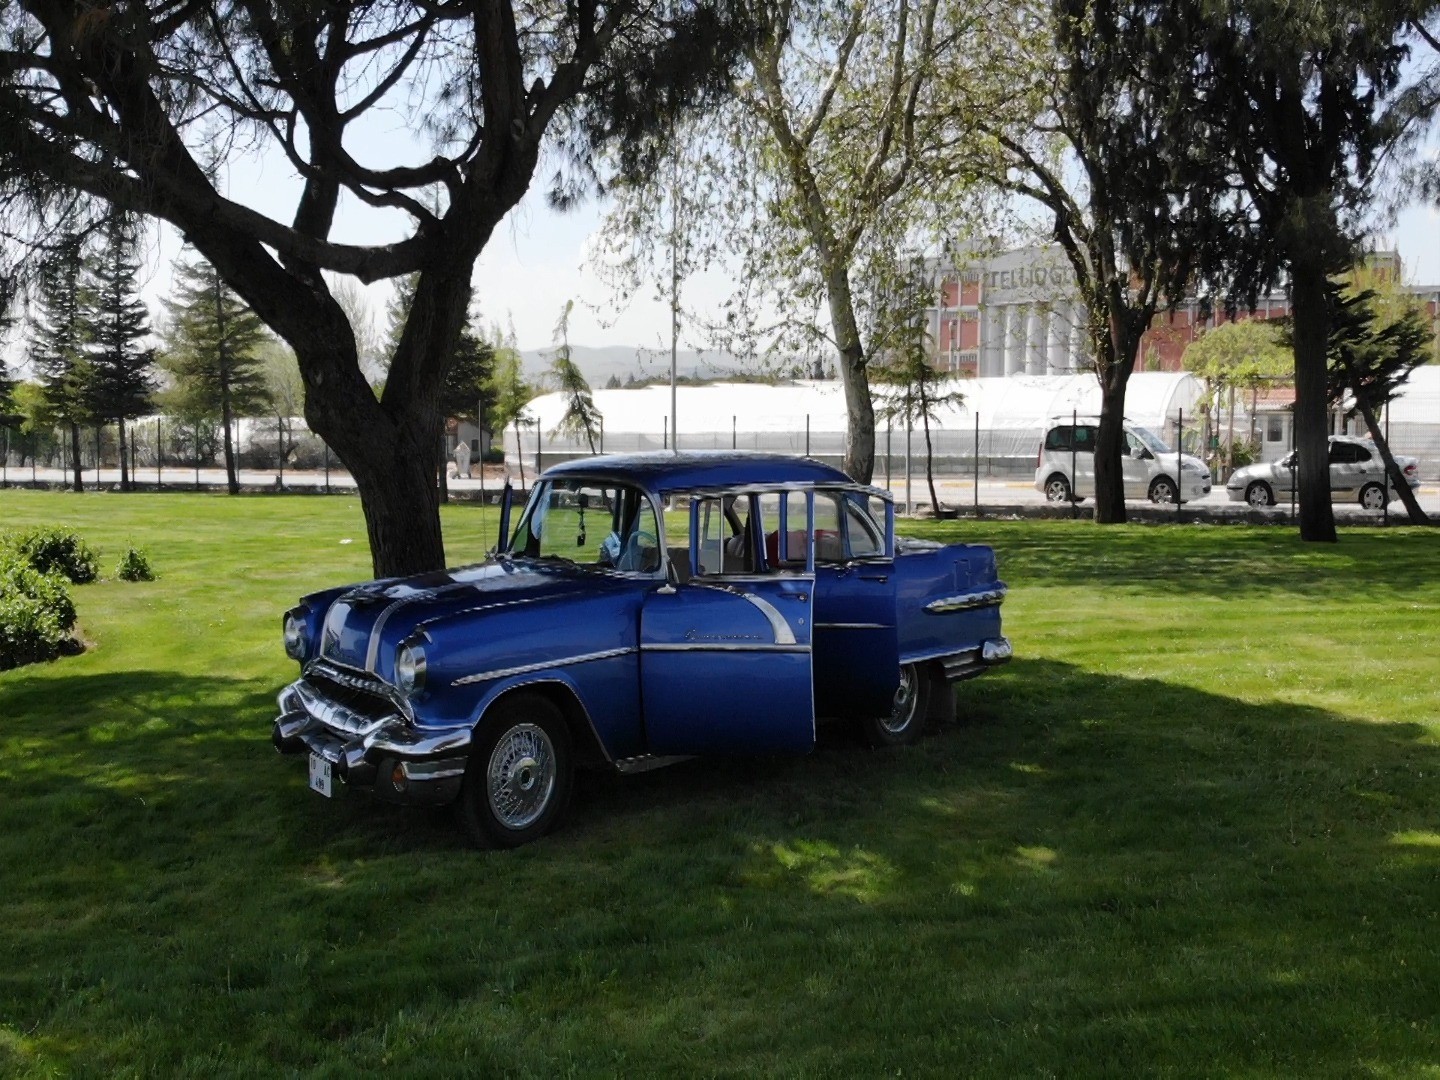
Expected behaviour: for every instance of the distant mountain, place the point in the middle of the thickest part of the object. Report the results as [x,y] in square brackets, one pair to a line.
[622,361]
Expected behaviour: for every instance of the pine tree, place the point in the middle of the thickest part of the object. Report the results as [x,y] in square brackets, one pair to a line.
[581,417]
[213,353]
[122,372]
[60,342]
[7,320]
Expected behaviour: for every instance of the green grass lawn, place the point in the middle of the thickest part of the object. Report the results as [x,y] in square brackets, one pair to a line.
[1193,829]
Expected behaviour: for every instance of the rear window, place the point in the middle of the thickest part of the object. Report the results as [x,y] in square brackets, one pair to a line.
[1067,438]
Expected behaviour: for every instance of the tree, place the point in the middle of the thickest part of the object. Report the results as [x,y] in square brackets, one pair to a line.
[135,103]
[912,390]
[1297,97]
[1372,352]
[581,417]
[213,354]
[1238,356]
[837,153]
[511,393]
[8,291]
[285,396]
[61,339]
[121,370]
[1133,195]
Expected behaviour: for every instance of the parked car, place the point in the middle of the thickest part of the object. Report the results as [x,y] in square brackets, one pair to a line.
[1356,471]
[1065,466]
[602,635]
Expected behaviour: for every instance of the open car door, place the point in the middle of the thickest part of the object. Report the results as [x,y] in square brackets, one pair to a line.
[725,655]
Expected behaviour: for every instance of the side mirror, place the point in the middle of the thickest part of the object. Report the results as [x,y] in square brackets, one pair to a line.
[1138,453]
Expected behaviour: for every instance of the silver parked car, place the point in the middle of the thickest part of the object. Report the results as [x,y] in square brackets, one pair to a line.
[1356,471]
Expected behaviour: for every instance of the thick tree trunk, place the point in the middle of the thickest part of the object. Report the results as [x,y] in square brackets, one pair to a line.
[1392,470]
[859,463]
[1312,445]
[1109,444]
[124,461]
[77,482]
[232,479]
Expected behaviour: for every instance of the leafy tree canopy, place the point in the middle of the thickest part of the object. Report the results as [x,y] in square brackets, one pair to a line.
[1240,354]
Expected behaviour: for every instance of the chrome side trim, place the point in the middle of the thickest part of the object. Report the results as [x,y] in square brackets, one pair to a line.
[544,665]
[641,763]
[715,647]
[851,626]
[778,626]
[783,634]
[967,601]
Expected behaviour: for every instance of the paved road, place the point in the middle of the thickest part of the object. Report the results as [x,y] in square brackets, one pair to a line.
[953,492]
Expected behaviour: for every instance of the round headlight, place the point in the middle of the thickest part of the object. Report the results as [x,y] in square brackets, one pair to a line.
[410,669]
[294,637]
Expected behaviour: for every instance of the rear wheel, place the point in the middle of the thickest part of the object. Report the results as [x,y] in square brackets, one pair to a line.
[1372,497]
[907,715]
[1057,489]
[1260,494]
[1162,490]
[517,784]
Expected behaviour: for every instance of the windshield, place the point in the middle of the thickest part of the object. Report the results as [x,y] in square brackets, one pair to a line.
[593,524]
[1152,441]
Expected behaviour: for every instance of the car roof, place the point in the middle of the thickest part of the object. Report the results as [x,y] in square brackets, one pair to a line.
[701,469]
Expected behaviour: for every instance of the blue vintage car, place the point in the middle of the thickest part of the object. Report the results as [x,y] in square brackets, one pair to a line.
[607,633]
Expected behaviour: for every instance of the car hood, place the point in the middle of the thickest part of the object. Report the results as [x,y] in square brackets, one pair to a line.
[363,618]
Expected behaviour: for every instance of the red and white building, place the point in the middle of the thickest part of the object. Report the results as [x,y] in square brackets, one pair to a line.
[1018,313]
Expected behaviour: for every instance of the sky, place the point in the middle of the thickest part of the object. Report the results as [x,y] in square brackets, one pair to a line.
[538,258]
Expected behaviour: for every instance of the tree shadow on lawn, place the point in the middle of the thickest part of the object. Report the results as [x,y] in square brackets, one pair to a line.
[1096,875]
[1218,561]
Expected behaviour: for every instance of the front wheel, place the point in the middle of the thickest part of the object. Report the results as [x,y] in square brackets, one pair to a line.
[1163,490]
[519,778]
[907,715]
[1057,489]
[1260,495]
[1372,497]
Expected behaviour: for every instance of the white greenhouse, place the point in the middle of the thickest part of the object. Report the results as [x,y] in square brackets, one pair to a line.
[1002,417]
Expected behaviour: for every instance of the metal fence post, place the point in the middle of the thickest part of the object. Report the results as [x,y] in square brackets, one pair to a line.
[327,466]
[732,432]
[889,429]
[1074,480]
[807,434]
[197,457]
[976,464]
[1179,465]
[1385,508]
[159,456]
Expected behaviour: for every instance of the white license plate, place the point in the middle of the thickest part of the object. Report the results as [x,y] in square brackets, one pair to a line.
[320,776]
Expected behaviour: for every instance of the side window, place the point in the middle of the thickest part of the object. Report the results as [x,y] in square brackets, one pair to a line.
[829,540]
[864,525]
[1363,456]
[784,548]
[726,541]
[1085,440]
[1340,453]
[1058,438]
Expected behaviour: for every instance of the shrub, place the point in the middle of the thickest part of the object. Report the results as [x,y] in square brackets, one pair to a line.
[134,565]
[52,550]
[36,614]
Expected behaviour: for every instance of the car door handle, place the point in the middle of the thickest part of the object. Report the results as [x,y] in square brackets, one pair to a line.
[798,597]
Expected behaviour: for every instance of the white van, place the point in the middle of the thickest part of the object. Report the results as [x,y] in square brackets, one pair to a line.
[1148,464]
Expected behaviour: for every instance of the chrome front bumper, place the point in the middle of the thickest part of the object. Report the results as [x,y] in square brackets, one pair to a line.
[384,755]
